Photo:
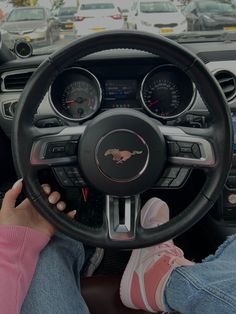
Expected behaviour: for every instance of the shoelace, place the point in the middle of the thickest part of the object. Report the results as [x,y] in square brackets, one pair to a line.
[168,248]
[164,248]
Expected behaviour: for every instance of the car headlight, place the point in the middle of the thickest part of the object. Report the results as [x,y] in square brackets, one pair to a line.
[145,23]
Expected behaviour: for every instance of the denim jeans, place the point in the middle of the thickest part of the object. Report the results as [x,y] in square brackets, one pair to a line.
[55,288]
[208,287]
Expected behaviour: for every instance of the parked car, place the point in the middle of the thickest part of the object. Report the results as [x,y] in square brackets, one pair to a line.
[33,24]
[94,16]
[65,15]
[157,17]
[210,16]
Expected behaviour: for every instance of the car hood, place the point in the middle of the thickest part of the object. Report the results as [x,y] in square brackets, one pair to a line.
[162,17]
[22,26]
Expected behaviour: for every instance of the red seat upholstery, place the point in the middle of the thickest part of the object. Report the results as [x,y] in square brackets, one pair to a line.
[101,294]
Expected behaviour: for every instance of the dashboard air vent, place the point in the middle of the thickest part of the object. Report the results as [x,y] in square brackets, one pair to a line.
[15,81]
[9,108]
[227,81]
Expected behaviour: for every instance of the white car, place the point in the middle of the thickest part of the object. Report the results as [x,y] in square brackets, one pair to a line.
[94,16]
[159,17]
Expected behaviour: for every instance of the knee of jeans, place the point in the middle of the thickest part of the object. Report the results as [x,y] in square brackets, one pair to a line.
[61,244]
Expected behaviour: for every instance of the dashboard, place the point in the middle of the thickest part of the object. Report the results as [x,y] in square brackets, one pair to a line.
[102,82]
[165,92]
[121,79]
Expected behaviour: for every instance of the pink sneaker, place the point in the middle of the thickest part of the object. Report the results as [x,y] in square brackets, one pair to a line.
[148,270]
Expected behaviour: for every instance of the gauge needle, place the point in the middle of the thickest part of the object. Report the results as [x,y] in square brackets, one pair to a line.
[71,102]
[154,102]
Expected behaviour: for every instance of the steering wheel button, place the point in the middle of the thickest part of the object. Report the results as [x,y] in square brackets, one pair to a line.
[231,182]
[55,150]
[185,145]
[71,172]
[164,182]
[185,149]
[232,199]
[59,172]
[181,178]
[70,148]
[174,148]
[196,151]
[186,155]
[171,172]
[76,181]
[58,149]
[66,182]
[62,177]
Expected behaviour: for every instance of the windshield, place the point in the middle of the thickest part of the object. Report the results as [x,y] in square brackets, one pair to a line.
[67,11]
[157,7]
[97,6]
[26,15]
[48,25]
[215,7]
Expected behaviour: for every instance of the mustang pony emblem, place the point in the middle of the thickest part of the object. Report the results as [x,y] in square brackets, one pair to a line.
[121,156]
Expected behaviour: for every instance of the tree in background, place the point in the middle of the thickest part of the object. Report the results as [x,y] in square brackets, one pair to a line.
[56,4]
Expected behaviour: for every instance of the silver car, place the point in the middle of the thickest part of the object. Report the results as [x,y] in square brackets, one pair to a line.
[33,24]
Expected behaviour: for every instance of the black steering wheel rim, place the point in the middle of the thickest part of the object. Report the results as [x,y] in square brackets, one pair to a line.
[221,135]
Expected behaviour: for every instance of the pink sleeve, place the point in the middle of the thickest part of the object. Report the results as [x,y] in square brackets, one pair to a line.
[19,253]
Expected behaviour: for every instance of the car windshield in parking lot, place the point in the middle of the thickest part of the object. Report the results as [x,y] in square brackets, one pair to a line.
[25,15]
[65,21]
[97,6]
[153,7]
[67,11]
[210,6]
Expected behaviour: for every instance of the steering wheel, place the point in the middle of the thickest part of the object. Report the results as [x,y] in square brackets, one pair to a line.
[122,178]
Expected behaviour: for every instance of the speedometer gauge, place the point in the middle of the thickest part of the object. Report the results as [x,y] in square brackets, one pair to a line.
[76,94]
[162,97]
[166,92]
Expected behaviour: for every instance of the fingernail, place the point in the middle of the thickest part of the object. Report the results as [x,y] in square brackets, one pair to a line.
[17,183]
[52,199]
[61,206]
[46,188]
[73,212]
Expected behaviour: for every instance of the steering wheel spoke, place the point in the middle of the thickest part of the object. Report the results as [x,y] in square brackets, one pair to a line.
[122,216]
[189,150]
[55,149]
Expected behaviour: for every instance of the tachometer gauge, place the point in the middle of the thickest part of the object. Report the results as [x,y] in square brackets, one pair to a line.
[76,94]
[166,92]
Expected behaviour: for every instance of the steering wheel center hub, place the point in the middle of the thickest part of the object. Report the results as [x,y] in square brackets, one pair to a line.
[122,152]
[122,155]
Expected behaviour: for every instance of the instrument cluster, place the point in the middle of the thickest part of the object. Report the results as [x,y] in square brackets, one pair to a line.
[165,93]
